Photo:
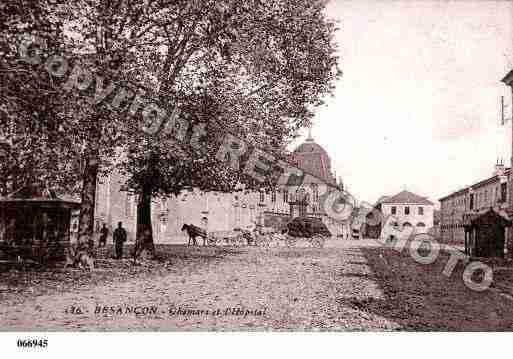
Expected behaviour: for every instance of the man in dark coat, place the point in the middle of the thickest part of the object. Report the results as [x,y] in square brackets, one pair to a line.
[119,237]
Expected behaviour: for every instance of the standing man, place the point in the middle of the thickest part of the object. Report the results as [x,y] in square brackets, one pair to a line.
[119,238]
[104,232]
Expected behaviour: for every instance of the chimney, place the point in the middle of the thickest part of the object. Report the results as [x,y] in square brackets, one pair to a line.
[499,168]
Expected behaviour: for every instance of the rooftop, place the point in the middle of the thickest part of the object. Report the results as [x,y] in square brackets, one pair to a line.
[407,197]
[476,185]
[508,79]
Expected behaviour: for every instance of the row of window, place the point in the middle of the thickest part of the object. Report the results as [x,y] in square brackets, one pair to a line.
[130,201]
[451,226]
[407,224]
[406,211]
[479,199]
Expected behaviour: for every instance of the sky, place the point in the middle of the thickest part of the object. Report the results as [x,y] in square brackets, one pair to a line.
[418,105]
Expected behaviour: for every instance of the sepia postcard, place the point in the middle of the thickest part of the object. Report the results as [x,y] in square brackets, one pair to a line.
[255,166]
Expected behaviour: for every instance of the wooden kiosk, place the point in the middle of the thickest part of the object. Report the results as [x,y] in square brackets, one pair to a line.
[35,225]
[485,233]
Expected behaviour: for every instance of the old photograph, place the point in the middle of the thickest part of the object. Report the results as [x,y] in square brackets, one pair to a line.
[255,166]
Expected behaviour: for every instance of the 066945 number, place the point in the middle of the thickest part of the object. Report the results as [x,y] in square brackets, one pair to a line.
[32,343]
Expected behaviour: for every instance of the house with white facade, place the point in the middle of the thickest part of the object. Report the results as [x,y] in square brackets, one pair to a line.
[406,212]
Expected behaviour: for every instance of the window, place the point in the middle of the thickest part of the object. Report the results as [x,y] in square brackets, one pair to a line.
[504,191]
[406,224]
[420,224]
[421,211]
[129,205]
[315,192]
[262,196]
[406,210]
[163,204]
[273,196]
[285,196]
[394,210]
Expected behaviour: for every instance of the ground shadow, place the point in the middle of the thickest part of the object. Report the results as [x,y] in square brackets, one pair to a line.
[16,285]
[420,297]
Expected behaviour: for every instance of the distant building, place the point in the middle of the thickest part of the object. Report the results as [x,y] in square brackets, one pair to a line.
[406,211]
[227,211]
[373,225]
[488,193]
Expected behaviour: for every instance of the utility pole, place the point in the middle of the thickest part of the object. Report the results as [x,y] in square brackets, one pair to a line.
[508,80]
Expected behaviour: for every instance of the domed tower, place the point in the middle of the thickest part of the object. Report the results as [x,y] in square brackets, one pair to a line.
[312,158]
[316,164]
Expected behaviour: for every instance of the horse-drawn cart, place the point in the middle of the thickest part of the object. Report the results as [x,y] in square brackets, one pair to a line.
[309,229]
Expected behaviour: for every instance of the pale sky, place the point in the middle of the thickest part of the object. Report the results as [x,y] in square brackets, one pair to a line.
[418,106]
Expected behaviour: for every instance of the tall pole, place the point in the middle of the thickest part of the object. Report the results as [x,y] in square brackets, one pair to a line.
[508,80]
[502,110]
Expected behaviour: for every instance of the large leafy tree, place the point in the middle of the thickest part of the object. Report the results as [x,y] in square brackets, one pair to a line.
[33,117]
[256,69]
[105,38]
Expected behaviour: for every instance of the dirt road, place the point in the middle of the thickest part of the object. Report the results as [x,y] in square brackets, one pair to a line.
[341,287]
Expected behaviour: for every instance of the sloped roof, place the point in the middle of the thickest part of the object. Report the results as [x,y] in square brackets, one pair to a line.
[486,216]
[508,79]
[476,185]
[407,197]
[38,193]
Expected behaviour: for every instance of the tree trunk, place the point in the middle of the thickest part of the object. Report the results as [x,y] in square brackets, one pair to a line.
[144,236]
[86,219]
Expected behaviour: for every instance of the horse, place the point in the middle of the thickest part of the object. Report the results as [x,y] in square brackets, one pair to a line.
[193,232]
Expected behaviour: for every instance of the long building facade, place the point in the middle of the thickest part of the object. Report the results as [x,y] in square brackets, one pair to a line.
[488,193]
[240,209]
[495,192]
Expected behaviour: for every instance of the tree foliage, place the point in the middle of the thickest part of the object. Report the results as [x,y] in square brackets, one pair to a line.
[32,115]
[254,68]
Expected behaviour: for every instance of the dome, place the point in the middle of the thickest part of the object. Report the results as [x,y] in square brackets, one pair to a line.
[314,159]
[310,146]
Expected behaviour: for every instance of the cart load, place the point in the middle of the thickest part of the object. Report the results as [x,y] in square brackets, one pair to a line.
[310,229]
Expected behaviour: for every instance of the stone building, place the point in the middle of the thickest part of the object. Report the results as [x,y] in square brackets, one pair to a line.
[226,211]
[488,193]
[406,211]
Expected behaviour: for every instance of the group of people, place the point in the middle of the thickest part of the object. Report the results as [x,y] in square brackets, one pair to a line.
[119,237]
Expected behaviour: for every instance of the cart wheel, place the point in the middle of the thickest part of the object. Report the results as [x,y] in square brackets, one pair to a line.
[319,241]
[291,242]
